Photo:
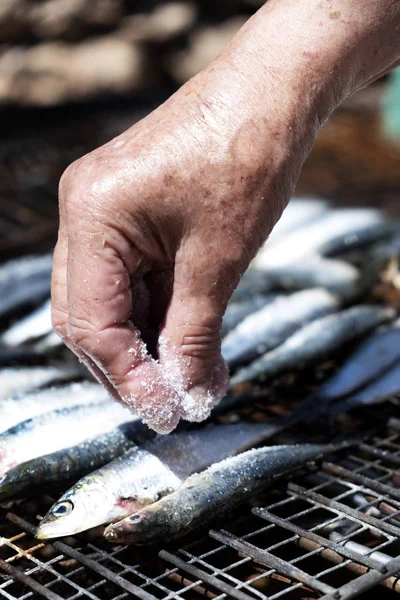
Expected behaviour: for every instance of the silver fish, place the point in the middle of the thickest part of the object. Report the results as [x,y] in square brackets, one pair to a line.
[17,380]
[211,494]
[237,311]
[48,343]
[252,283]
[378,391]
[70,464]
[314,342]
[300,211]
[20,408]
[308,241]
[372,357]
[24,281]
[359,239]
[143,475]
[337,276]
[31,327]
[56,430]
[270,326]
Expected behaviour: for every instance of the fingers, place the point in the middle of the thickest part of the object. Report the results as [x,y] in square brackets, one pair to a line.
[60,301]
[191,375]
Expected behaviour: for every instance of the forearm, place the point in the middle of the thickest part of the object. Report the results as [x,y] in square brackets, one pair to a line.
[284,73]
[319,50]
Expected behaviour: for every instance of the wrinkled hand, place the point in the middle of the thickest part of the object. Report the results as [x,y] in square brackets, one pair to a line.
[157,226]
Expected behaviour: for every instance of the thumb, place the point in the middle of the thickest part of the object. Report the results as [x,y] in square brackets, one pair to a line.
[190,376]
[190,340]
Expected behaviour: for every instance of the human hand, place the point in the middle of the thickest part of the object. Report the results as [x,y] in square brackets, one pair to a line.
[157,226]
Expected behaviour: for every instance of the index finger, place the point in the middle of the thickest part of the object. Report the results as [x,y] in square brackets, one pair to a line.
[99,310]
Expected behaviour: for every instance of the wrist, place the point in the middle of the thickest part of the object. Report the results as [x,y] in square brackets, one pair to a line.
[307,56]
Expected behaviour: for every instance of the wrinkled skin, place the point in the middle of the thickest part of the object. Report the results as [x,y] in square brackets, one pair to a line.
[157,226]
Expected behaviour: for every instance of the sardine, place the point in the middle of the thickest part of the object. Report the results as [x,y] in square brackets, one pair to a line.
[70,464]
[24,281]
[145,474]
[300,211]
[378,391]
[211,494]
[33,326]
[337,276]
[309,241]
[253,283]
[372,357]
[359,239]
[20,408]
[56,430]
[237,311]
[17,380]
[270,326]
[48,343]
[314,342]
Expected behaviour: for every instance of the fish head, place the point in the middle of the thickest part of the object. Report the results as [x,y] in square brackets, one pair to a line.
[147,526]
[86,505]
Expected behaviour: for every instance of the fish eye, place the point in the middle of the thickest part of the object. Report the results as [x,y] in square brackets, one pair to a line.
[62,508]
[135,518]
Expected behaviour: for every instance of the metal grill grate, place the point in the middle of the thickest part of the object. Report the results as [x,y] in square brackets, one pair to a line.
[331,532]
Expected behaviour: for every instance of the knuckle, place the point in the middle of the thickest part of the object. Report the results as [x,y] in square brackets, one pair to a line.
[80,332]
[201,342]
[68,178]
[59,321]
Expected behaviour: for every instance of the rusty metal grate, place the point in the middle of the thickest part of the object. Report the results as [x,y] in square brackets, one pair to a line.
[331,531]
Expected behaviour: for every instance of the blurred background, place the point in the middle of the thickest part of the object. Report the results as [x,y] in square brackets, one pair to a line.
[75,73]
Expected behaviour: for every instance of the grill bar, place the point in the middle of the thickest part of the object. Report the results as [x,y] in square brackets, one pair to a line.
[204,577]
[356,515]
[377,486]
[365,582]
[318,539]
[267,559]
[87,562]
[28,581]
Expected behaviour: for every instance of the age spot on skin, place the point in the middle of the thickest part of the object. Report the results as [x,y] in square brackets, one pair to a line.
[334,15]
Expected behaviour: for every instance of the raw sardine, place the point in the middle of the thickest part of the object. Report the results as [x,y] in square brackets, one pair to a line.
[270,326]
[33,326]
[300,212]
[24,281]
[70,464]
[56,430]
[380,390]
[308,241]
[337,276]
[143,475]
[211,494]
[17,380]
[373,356]
[20,408]
[359,239]
[237,311]
[253,283]
[314,342]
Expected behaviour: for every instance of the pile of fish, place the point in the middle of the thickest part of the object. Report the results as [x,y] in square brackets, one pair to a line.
[306,298]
